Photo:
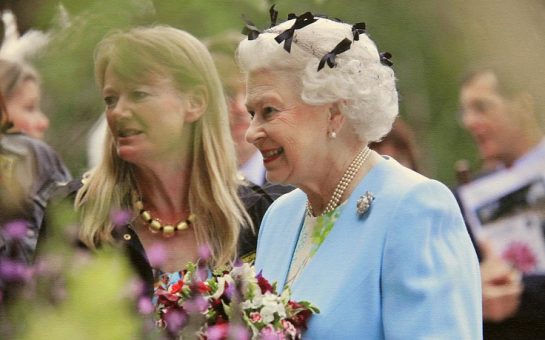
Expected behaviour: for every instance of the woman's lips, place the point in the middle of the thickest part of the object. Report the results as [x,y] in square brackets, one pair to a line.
[270,155]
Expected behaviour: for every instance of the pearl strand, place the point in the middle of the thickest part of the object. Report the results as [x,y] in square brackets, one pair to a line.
[345,181]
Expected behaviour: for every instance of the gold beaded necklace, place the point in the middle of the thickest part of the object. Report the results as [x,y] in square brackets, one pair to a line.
[155,225]
[346,179]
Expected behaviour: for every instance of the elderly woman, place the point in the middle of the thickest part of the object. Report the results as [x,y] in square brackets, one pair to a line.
[381,250]
[168,157]
[20,84]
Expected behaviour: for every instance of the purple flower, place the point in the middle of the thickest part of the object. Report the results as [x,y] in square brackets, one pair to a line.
[175,320]
[16,230]
[157,255]
[196,305]
[145,306]
[217,332]
[204,252]
[238,332]
[14,271]
[121,217]
[269,333]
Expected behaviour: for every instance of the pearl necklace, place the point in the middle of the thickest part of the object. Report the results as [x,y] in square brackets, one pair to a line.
[346,179]
[155,225]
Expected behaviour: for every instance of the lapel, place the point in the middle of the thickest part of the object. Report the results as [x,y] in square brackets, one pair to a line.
[280,246]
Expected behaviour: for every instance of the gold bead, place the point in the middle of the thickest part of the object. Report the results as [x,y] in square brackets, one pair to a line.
[191,218]
[181,225]
[155,225]
[146,216]
[168,230]
[139,205]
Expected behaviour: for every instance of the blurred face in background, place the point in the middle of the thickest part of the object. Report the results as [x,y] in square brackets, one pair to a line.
[239,118]
[490,119]
[25,112]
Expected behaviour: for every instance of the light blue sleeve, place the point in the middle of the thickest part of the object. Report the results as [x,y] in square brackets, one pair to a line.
[430,273]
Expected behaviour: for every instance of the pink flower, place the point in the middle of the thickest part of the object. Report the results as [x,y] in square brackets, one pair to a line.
[145,306]
[289,328]
[521,256]
[16,230]
[157,255]
[175,320]
[204,252]
[238,332]
[120,217]
[217,332]
[196,305]
[269,333]
[255,317]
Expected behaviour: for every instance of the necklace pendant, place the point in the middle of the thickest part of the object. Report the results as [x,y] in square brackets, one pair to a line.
[364,203]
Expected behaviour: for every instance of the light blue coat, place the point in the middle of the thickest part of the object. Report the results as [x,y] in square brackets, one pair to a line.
[405,270]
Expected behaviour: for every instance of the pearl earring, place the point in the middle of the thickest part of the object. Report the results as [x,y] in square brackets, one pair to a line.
[332,135]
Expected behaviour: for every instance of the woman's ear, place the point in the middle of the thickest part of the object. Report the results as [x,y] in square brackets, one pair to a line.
[336,118]
[197,103]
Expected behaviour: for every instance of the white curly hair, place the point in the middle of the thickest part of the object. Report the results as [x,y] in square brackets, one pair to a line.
[363,87]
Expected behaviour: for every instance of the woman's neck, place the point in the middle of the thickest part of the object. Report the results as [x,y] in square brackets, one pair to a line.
[320,191]
[165,190]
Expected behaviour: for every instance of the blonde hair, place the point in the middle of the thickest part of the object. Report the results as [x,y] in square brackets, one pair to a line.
[166,51]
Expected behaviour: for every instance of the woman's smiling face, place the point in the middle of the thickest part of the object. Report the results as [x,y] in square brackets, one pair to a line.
[290,134]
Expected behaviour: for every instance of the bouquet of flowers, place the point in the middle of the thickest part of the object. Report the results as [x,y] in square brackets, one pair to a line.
[238,303]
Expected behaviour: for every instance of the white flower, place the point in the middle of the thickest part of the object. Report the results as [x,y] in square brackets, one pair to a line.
[221,285]
[272,304]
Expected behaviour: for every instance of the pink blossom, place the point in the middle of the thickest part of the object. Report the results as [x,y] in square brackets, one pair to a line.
[121,217]
[157,255]
[289,328]
[255,317]
[238,332]
[204,252]
[269,333]
[145,306]
[196,305]
[16,230]
[175,320]
[217,332]
[521,256]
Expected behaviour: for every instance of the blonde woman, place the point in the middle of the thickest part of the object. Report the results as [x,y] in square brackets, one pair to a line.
[168,156]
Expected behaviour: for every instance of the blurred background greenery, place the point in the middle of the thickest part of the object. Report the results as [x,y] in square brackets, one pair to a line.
[433,44]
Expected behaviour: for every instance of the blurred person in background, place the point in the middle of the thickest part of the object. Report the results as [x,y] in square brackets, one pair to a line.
[168,158]
[250,162]
[20,84]
[30,171]
[504,123]
[400,144]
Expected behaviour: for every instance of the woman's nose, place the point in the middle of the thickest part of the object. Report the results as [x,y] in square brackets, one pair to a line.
[255,132]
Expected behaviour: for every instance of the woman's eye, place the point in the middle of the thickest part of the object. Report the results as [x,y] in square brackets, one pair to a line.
[110,101]
[268,111]
[139,94]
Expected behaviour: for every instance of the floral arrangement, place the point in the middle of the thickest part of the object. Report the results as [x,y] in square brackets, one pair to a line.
[233,304]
